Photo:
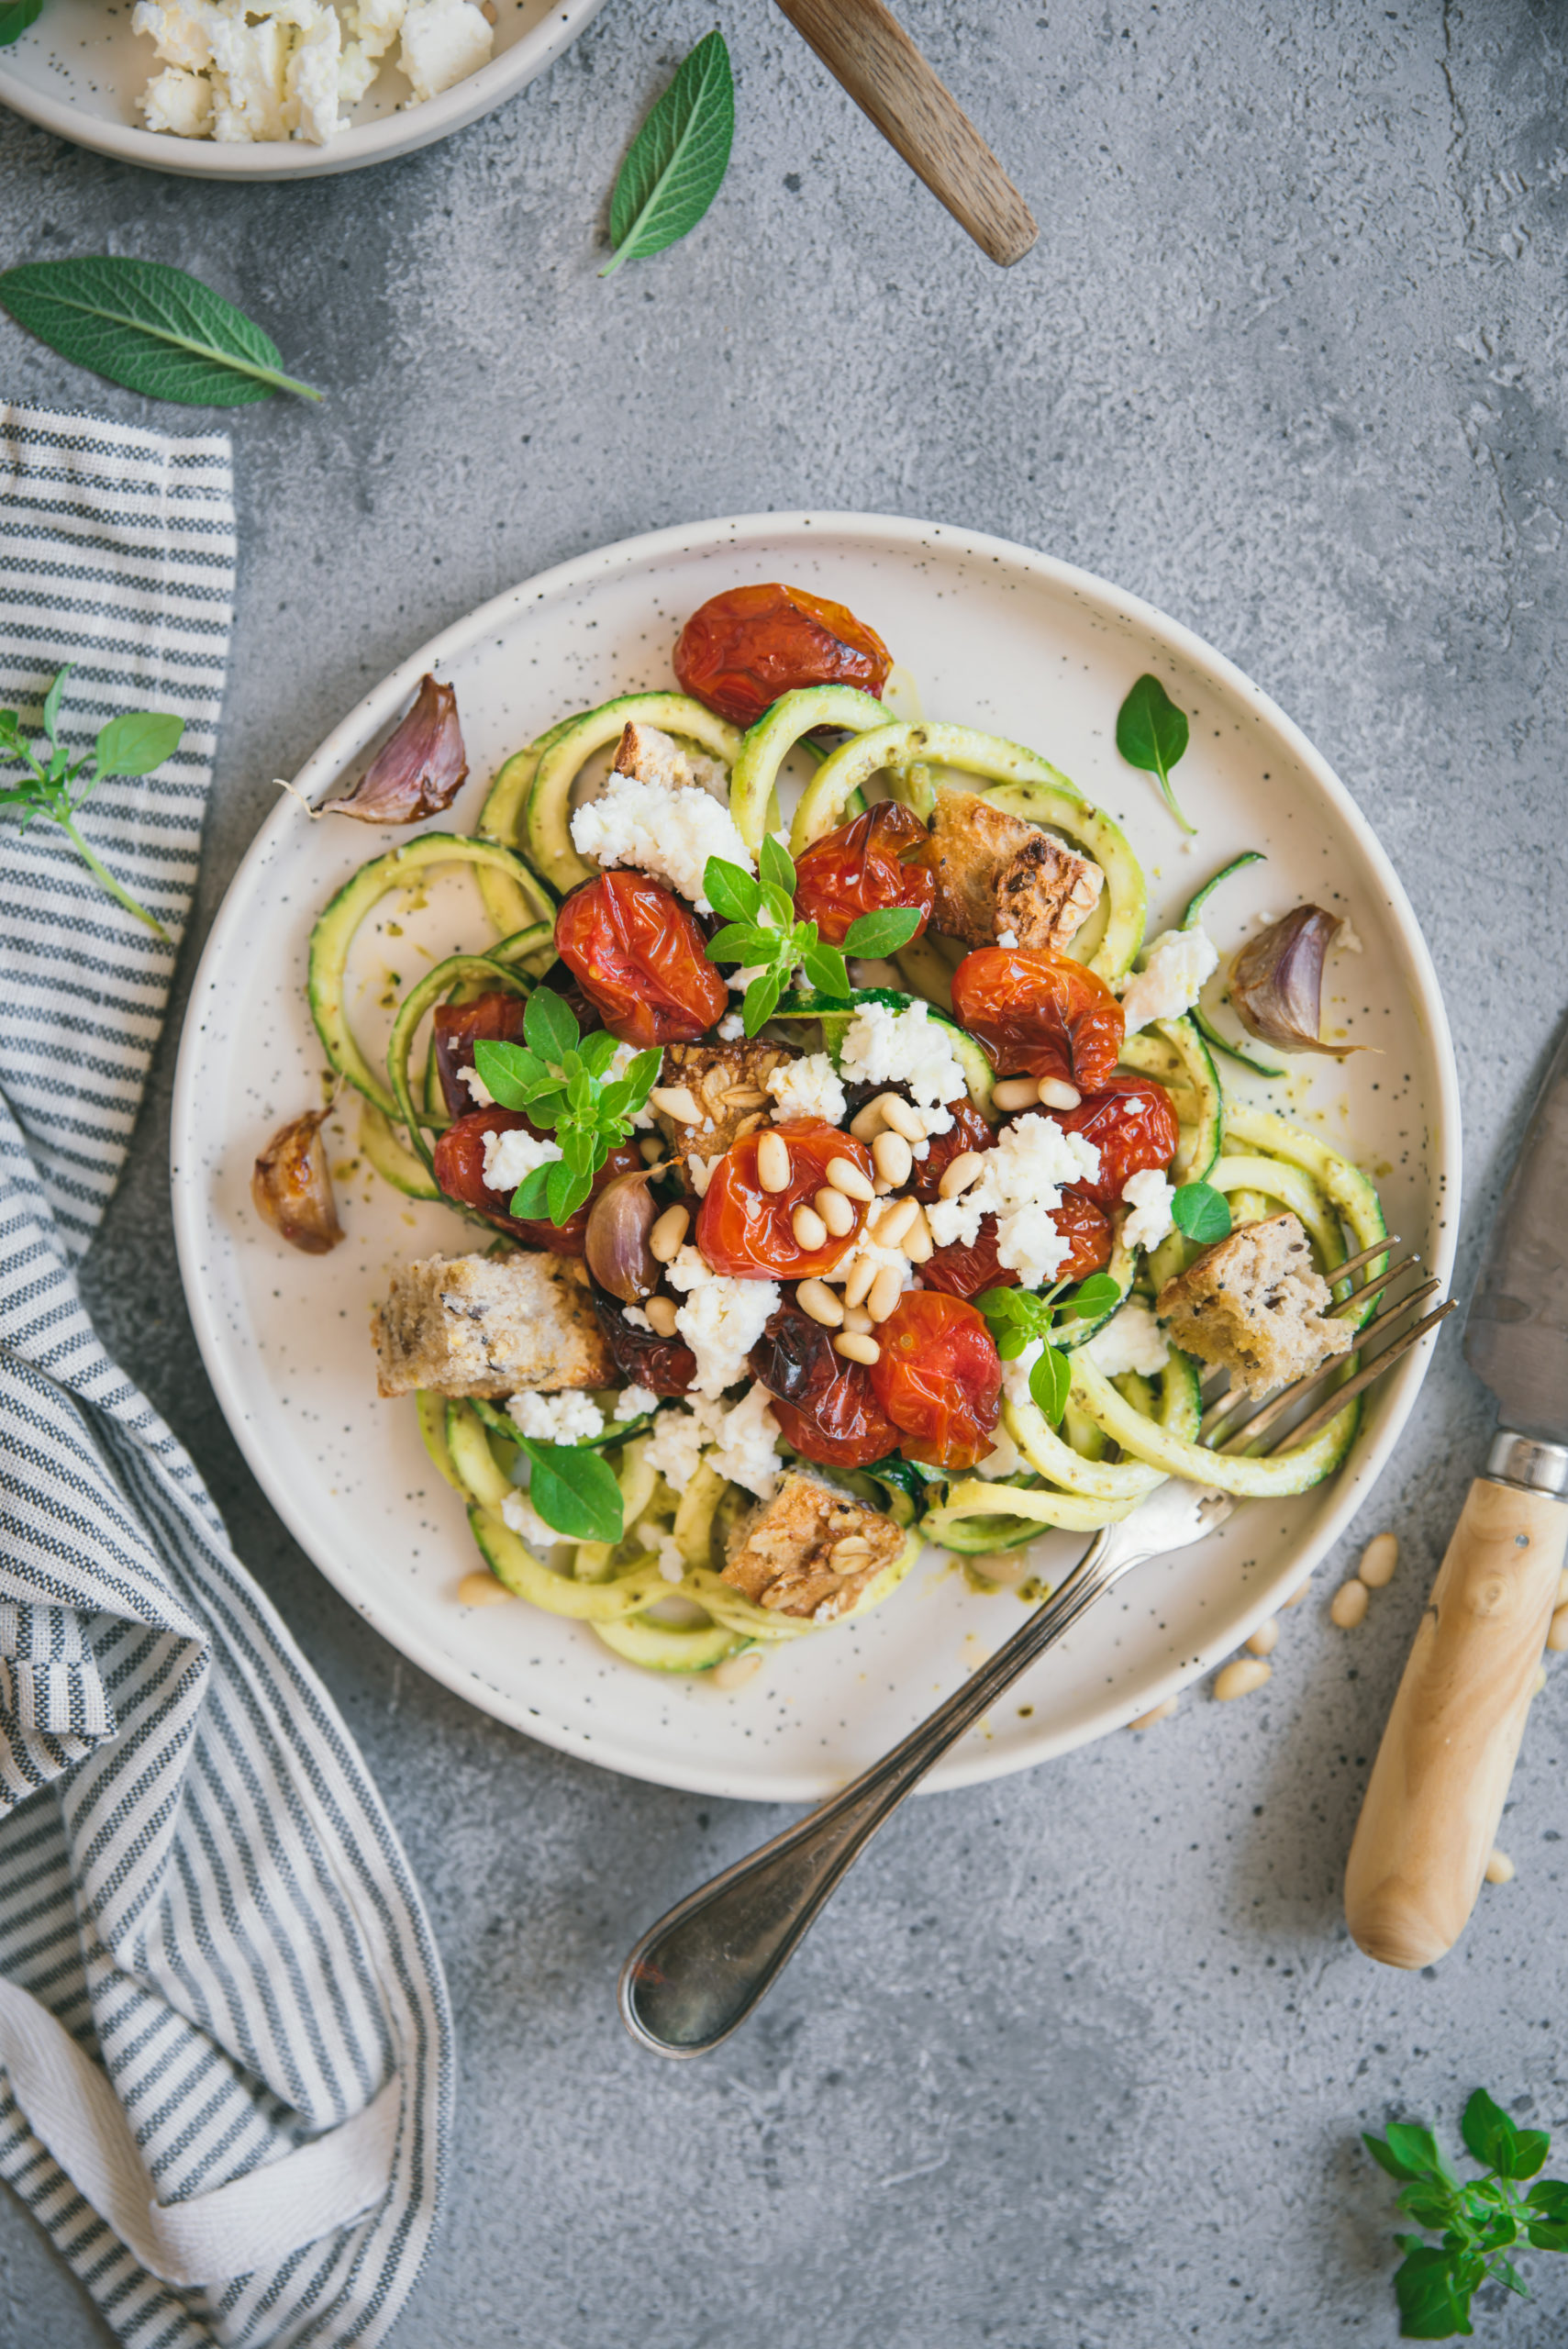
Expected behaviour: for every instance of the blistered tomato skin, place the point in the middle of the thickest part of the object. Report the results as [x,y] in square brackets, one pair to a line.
[642,1357]
[493,1019]
[459,1170]
[1132,1124]
[1040,1014]
[746,1232]
[745,648]
[969,1270]
[859,870]
[843,1425]
[969,1131]
[639,956]
[794,1358]
[938,1378]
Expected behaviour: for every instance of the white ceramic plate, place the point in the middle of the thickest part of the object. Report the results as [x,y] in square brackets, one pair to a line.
[995,637]
[80,70]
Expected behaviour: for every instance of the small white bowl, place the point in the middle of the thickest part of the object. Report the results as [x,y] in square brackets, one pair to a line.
[80,70]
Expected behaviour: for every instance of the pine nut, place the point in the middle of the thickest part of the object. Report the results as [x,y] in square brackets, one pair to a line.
[958,1177]
[677,1101]
[1296,1595]
[1055,1093]
[1265,1639]
[1158,1713]
[1349,1604]
[885,1292]
[1240,1679]
[917,1243]
[846,1176]
[867,1123]
[856,1348]
[843,1556]
[1016,1093]
[668,1235]
[772,1161]
[653,1149]
[481,1590]
[901,1117]
[857,1317]
[896,1222]
[892,1158]
[1557,1638]
[856,1284]
[737,1670]
[1378,1560]
[1499,1868]
[745,1096]
[836,1212]
[661,1313]
[817,1300]
[810,1232]
[882,1187]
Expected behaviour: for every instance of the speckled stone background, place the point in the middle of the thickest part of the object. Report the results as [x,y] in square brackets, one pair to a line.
[1080,2059]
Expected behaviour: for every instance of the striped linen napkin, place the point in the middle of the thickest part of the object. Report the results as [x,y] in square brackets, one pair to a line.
[224,2049]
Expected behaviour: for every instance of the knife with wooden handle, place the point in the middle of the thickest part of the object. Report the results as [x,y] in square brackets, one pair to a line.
[1437,1790]
[864,47]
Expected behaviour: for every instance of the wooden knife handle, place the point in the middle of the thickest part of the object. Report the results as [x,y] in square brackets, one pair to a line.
[864,47]
[1437,1790]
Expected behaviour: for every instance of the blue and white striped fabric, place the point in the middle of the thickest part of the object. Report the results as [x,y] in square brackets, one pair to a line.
[197,1878]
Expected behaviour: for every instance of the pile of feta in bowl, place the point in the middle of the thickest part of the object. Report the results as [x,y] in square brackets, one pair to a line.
[243,69]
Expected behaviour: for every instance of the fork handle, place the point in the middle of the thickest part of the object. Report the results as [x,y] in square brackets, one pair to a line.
[1429,1818]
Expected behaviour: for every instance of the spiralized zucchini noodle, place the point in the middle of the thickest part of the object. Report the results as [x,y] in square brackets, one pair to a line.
[655,1598]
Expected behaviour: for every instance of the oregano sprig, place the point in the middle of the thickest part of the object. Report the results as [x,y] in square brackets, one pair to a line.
[54,785]
[761,933]
[1480,2219]
[562,1081]
[1016,1318]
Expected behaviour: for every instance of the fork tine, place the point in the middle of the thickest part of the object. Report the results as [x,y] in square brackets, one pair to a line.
[1253,1427]
[1372,1372]
[1353,1264]
[1374,1288]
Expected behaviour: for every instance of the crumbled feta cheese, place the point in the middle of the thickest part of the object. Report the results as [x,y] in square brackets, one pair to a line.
[570,1418]
[634,1400]
[1345,937]
[181,28]
[370,28]
[1004,1459]
[250,76]
[1021,1180]
[178,102]
[808,1088]
[731,1028]
[908,1047]
[1005,938]
[740,980]
[310,110]
[721,1320]
[675,1446]
[512,1154]
[1132,1339]
[479,1092]
[667,829]
[1174,969]
[886,1260]
[1149,1197]
[443,41]
[672,1566]
[738,1442]
[700,1170]
[519,1513]
[638,1319]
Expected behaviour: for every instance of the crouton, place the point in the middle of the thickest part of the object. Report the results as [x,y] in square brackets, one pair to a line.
[489,1324]
[727,1086]
[1252,1305]
[653,757]
[997,877]
[809,1551]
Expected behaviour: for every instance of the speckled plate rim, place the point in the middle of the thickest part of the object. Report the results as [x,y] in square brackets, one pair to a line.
[970,1765]
[364,143]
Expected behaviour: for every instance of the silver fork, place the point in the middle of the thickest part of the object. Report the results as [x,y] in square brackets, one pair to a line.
[697,1973]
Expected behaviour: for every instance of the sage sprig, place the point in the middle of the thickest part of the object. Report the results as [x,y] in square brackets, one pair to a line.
[678,160]
[561,1081]
[155,329]
[1151,733]
[761,933]
[1016,1318]
[54,785]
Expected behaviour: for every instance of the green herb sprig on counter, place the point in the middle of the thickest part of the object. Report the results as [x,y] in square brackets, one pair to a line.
[1201,1212]
[54,785]
[761,932]
[1151,733]
[1015,1318]
[676,163]
[1480,2218]
[16,15]
[155,329]
[561,1080]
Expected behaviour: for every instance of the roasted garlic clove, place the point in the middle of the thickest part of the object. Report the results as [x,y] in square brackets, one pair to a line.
[291,1187]
[418,770]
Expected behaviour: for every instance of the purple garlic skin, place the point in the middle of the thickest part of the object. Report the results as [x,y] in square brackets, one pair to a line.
[291,1187]
[616,1243]
[1276,982]
[418,771]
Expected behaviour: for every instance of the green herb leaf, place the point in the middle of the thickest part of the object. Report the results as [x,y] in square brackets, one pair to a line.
[1419,2150]
[824,966]
[511,1075]
[549,1025]
[730,890]
[1151,733]
[137,742]
[1050,1382]
[741,941]
[761,1000]
[566,1188]
[1430,2306]
[883,932]
[531,1201]
[677,161]
[1547,2200]
[1204,1213]
[16,15]
[52,704]
[776,866]
[1096,1294]
[155,329]
[1388,2159]
[597,1050]
[1488,2133]
[574,1491]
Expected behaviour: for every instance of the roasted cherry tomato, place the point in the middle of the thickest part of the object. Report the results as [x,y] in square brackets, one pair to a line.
[794,1358]
[459,1171]
[639,956]
[969,1131]
[642,1357]
[938,1378]
[969,1271]
[860,869]
[747,1233]
[1131,1123]
[1040,1014]
[745,648]
[843,1425]
[494,1019]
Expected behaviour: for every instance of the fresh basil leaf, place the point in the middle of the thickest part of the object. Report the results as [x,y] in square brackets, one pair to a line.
[1430,2306]
[574,1491]
[1151,733]
[678,160]
[16,15]
[1530,2148]
[566,1188]
[11,724]
[1204,1213]
[1096,1294]
[138,742]
[762,999]
[1548,2198]
[730,890]
[597,1051]
[1506,2273]
[531,1201]
[511,1075]
[154,329]
[1391,2159]
[740,941]
[1428,2203]
[1419,2150]
[51,700]
[1548,2234]
[1011,1341]
[824,966]
[1488,2133]
[546,1104]
[777,868]
[581,1149]
[642,1074]
[999,1304]
[882,932]
[779,908]
[1050,1382]
[549,1026]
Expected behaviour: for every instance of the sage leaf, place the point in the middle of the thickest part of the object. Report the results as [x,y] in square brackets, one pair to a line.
[16,15]
[1204,1213]
[138,742]
[574,1491]
[1151,733]
[155,329]
[678,159]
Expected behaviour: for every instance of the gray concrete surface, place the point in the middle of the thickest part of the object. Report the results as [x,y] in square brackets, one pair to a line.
[1081,2059]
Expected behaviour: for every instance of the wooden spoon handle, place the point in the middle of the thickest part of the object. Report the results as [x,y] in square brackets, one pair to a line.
[1442,1775]
[864,47]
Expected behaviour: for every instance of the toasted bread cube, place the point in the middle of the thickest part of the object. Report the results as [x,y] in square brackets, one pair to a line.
[809,1551]
[727,1084]
[655,757]
[489,1324]
[1253,1305]
[998,876]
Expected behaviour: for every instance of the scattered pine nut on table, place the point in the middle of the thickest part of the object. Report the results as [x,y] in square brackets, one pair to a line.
[1378,1560]
[1156,1713]
[1500,1869]
[1265,1639]
[1349,1604]
[1240,1677]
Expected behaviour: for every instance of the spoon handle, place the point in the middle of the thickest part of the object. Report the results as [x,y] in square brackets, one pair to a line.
[701,1969]
[864,47]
